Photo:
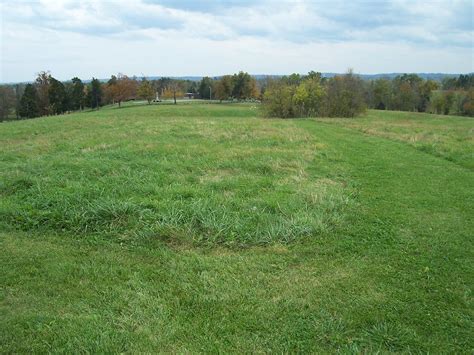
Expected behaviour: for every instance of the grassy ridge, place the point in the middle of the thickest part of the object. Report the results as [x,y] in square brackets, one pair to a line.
[360,243]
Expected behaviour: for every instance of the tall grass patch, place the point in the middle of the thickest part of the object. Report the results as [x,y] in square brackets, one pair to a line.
[206,179]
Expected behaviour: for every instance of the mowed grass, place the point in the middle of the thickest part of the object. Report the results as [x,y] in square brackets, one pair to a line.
[203,228]
[448,137]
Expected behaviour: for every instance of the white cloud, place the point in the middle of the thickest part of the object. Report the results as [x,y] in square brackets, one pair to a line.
[98,38]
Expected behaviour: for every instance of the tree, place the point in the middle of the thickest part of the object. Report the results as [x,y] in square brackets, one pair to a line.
[244,86]
[406,93]
[293,79]
[437,102]
[7,101]
[28,103]
[309,97]
[345,96]
[19,89]
[468,103]
[205,88]
[278,100]
[95,94]
[57,97]
[314,75]
[77,94]
[223,88]
[123,89]
[382,91]
[174,90]
[42,83]
[108,91]
[146,91]
[425,88]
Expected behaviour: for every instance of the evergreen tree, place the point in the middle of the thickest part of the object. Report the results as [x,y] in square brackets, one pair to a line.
[205,88]
[28,103]
[95,92]
[77,94]
[57,96]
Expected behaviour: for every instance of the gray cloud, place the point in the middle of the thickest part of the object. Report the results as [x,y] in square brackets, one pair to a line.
[435,22]
[279,35]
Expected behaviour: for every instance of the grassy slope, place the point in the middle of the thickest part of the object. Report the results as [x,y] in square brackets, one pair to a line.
[448,137]
[372,247]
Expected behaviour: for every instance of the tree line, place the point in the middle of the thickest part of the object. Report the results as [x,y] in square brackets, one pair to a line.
[294,95]
[49,96]
[409,92]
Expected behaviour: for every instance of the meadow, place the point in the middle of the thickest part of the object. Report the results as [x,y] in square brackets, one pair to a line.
[206,228]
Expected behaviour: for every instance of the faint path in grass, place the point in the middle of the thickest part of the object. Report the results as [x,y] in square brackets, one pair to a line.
[448,137]
[415,221]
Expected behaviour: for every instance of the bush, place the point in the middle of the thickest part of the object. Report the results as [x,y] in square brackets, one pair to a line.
[341,96]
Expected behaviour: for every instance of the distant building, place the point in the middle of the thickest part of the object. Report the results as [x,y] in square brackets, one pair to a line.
[189,95]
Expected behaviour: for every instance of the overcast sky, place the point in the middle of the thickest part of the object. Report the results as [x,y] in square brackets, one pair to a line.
[178,38]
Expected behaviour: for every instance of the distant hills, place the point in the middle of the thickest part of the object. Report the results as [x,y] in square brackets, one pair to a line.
[426,76]
[431,76]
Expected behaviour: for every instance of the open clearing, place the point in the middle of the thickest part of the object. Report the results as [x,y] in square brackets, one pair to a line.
[204,228]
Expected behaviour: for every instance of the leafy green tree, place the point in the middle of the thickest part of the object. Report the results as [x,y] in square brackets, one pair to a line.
[425,88]
[406,91]
[146,91]
[345,96]
[244,86]
[292,79]
[278,100]
[313,104]
[300,100]
[468,103]
[437,102]
[314,76]
[382,93]
[205,88]
[29,103]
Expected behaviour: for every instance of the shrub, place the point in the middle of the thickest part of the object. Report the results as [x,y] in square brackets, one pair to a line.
[341,96]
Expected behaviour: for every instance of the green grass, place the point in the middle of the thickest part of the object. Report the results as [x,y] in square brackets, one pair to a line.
[448,137]
[204,228]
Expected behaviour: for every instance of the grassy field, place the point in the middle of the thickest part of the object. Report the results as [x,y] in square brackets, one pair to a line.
[451,138]
[204,228]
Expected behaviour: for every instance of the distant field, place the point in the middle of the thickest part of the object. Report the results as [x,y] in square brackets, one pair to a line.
[205,228]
